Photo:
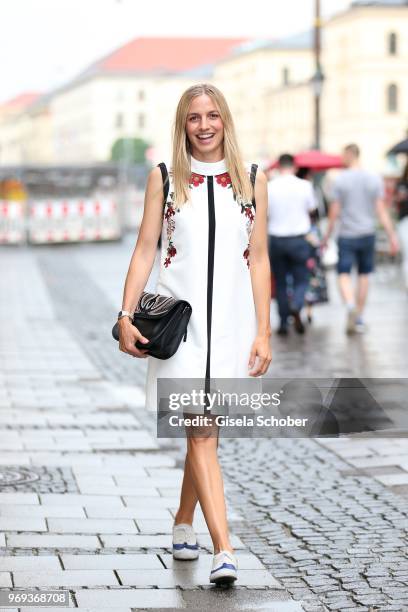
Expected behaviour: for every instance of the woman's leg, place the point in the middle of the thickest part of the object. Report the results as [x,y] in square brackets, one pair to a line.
[188,497]
[206,474]
[204,477]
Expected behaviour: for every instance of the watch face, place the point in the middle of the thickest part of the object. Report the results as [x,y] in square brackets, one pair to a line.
[123,313]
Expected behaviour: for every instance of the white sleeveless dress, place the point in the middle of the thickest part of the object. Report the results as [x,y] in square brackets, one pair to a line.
[205,260]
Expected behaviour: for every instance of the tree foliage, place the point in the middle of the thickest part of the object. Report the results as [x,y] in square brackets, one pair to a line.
[132,150]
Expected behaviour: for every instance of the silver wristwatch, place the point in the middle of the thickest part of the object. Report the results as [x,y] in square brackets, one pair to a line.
[124,313]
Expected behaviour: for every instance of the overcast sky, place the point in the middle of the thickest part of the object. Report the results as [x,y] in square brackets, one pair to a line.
[44,43]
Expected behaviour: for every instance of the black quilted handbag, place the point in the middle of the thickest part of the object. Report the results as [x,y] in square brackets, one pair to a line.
[161,319]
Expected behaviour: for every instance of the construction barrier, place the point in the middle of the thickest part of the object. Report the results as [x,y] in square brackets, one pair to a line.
[85,220]
[12,222]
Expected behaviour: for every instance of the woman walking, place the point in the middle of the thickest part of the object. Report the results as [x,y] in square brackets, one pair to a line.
[214,255]
[316,292]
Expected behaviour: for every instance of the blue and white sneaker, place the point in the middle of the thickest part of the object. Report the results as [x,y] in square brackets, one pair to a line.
[351,320]
[224,568]
[361,327]
[185,545]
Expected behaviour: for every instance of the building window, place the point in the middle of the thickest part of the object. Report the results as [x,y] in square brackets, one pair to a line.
[141,121]
[392,98]
[119,120]
[392,44]
[285,76]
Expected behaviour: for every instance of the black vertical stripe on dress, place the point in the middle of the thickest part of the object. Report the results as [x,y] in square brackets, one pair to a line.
[210,278]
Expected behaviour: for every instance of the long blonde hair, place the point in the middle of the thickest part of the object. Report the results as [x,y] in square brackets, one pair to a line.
[181,162]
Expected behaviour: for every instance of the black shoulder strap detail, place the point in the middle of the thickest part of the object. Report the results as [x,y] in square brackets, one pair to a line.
[254,168]
[165,177]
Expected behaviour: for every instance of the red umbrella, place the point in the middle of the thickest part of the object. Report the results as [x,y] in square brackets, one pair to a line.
[315,160]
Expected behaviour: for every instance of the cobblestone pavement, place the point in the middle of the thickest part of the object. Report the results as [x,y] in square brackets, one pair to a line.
[322,524]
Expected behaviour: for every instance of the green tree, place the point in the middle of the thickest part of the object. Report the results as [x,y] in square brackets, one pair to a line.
[132,150]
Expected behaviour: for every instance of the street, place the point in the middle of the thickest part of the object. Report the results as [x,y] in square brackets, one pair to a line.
[88,493]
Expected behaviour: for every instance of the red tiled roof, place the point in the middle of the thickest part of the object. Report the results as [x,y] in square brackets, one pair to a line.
[20,101]
[168,54]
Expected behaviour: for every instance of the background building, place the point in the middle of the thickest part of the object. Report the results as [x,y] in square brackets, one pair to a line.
[15,128]
[365,90]
[249,75]
[133,92]
[130,93]
[365,95]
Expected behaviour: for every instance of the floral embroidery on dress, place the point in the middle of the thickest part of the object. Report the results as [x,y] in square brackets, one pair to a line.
[171,225]
[246,255]
[195,180]
[224,180]
[247,208]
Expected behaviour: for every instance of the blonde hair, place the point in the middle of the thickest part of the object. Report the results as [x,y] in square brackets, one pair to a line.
[181,161]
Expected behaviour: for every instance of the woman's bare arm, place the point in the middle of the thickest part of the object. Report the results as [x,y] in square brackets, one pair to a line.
[261,279]
[142,261]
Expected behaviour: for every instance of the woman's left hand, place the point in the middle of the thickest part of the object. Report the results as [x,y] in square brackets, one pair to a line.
[261,349]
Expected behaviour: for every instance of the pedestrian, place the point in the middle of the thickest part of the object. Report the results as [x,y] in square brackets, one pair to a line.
[290,202]
[357,199]
[316,292]
[214,255]
[401,200]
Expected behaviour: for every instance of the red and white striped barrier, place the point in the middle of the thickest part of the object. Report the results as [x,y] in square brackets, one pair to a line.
[73,221]
[12,222]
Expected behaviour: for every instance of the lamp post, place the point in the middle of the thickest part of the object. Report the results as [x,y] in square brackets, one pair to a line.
[318,77]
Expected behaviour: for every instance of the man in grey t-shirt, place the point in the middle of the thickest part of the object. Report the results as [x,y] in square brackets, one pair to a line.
[357,190]
[357,200]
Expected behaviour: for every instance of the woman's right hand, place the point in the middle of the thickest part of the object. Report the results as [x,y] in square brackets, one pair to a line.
[128,336]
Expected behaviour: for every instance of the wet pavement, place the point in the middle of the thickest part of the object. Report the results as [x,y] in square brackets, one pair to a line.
[88,492]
